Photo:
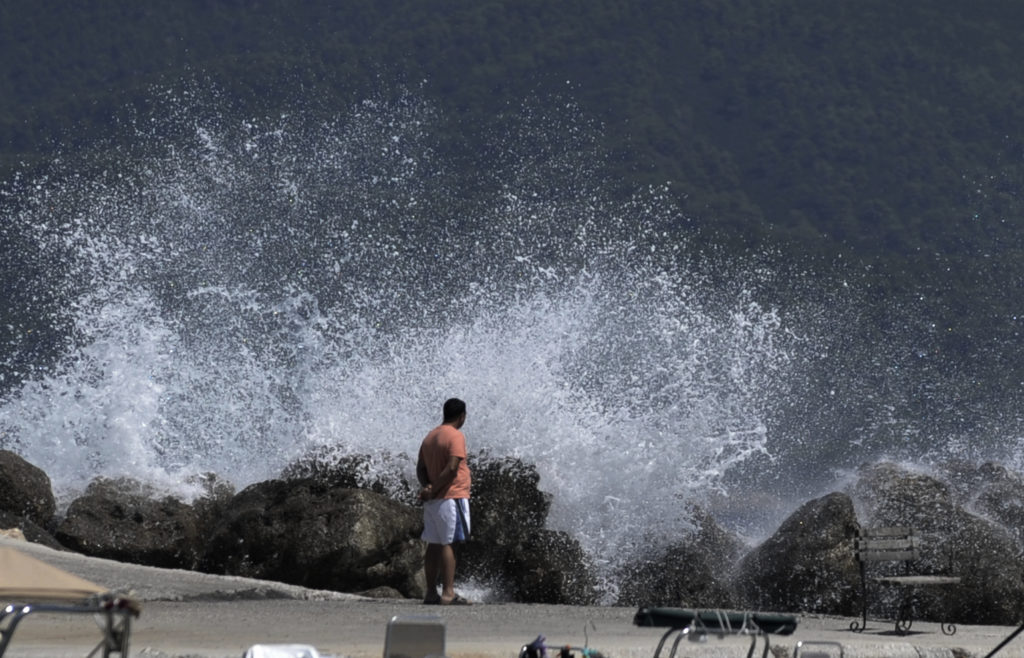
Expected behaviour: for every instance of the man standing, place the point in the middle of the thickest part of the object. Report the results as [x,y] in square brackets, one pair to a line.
[444,476]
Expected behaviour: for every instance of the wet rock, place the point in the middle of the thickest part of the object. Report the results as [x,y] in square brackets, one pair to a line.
[548,567]
[306,533]
[28,530]
[988,560]
[507,503]
[25,490]
[997,493]
[967,479]
[890,495]
[124,520]
[695,572]
[509,547]
[382,474]
[212,503]
[808,564]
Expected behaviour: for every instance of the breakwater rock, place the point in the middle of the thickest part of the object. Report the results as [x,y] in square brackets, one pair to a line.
[808,564]
[126,521]
[25,489]
[306,533]
[318,527]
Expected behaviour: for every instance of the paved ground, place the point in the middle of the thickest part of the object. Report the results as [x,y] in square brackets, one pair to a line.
[197,615]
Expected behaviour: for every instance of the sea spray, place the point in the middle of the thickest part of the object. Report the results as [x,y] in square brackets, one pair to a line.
[226,294]
[247,292]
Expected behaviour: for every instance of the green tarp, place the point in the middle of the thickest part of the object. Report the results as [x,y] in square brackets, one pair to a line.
[718,621]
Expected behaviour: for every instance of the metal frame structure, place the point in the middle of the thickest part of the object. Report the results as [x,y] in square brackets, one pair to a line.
[696,625]
[114,616]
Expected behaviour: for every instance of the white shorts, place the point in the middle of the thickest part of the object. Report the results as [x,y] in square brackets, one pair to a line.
[445,521]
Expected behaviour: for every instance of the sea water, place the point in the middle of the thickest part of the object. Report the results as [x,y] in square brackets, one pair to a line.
[232,293]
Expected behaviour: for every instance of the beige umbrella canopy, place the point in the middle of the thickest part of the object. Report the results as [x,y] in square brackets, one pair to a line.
[24,579]
[28,585]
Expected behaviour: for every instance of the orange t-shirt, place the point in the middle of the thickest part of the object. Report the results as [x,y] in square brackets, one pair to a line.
[442,443]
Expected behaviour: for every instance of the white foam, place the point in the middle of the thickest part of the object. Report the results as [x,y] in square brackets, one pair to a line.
[252,291]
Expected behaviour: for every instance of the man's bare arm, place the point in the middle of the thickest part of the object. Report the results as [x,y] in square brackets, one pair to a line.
[421,472]
[445,477]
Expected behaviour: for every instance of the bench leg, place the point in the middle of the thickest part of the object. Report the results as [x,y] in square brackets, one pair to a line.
[909,609]
[856,626]
[905,613]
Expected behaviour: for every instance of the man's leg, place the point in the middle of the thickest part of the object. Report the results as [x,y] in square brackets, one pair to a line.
[447,572]
[432,561]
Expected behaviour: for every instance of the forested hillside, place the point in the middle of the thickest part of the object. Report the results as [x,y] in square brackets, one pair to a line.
[887,133]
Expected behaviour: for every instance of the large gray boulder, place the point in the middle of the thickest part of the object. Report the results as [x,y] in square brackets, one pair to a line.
[548,566]
[123,520]
[988,560]
[984,553]
[507,502]
[890,495]
[25,490]
[808,565]
[695,572]
[993,492]
[307,533]
[509,546]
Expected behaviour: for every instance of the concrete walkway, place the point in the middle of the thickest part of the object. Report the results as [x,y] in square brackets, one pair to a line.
[199,615]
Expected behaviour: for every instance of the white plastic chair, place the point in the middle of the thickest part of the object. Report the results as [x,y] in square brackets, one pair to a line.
[414,636]
[281,651]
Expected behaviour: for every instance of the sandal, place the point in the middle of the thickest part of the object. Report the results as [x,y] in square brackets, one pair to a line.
[458,600]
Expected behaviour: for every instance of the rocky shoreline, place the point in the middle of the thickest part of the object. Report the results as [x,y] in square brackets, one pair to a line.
[320,527]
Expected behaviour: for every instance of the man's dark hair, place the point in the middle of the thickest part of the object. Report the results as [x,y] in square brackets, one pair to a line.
[453,408]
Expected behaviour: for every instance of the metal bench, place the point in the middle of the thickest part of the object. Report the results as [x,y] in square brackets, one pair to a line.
[895,544]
